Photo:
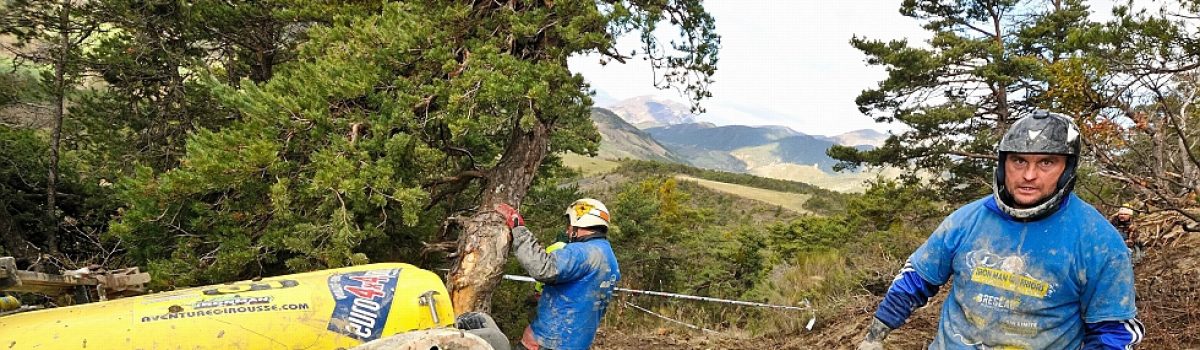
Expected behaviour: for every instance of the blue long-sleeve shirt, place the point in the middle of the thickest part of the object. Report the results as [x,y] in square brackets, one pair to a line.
[579,282]
[1062,282]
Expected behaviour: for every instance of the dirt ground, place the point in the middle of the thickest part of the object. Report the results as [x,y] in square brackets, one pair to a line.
[842,331]
[1168,285]
[1168,280]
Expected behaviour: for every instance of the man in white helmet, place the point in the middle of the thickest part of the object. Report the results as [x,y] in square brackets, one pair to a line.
[1033,266]
[579,278]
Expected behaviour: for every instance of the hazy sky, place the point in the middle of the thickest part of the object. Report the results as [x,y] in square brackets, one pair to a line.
[782,62]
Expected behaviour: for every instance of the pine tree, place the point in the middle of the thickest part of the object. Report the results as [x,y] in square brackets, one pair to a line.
[1139,114]
[154,63]
[987,64]
[386,125]
[51,32]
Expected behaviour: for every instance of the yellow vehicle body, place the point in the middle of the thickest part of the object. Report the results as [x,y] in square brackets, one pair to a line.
[328,309]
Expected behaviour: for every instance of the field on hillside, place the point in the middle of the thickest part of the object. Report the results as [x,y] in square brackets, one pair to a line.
[848,182]
[790,201]
[588,166]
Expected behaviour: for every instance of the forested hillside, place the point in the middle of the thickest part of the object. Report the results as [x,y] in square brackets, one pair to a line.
[619,140]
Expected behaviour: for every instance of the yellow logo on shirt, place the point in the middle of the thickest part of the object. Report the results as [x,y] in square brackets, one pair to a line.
[1009,281]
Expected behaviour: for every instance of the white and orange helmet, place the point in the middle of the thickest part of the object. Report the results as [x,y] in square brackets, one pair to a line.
[587,212]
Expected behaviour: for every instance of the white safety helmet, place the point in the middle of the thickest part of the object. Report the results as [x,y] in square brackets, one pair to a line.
[587,212]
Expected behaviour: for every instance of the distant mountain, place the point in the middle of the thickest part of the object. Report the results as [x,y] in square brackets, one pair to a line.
[805,150]
[772,151]
[743,148]
[649,111]
[621,140]
[861,137]
[707,158]
[720,138]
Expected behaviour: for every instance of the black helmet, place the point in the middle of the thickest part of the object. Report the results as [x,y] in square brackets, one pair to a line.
[1045,133]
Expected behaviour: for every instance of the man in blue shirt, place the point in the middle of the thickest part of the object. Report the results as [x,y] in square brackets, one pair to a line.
[1033,266]
[579,278]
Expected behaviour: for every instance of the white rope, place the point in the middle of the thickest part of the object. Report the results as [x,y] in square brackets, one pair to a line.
[715,300]
[520,278]
[670,319]
[806,307]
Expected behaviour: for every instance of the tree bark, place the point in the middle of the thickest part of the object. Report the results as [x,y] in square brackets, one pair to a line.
[1003,114]
[483,245]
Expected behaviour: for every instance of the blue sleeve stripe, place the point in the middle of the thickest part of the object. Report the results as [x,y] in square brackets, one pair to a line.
[1115,335]
[1136,328]
[908,292]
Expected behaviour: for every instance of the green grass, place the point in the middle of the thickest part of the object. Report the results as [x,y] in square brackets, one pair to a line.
[849,182]
[644,167]
[790,195]
[790,201]
[588,166]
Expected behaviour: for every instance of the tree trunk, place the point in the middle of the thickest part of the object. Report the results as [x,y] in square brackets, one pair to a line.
[60,92]
[1003,114]
[483,244]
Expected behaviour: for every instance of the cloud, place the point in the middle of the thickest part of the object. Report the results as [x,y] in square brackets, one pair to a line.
[781,63]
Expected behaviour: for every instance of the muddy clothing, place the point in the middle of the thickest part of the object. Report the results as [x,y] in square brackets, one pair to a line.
[1137,250]
[579,281]
[1060,282]
[1124,227]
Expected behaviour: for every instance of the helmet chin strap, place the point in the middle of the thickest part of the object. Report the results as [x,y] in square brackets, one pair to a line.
[578,234]
[572,233]
[1043,209]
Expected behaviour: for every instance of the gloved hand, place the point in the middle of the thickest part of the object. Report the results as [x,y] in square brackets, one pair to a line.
[511,217]
[482,325]
[876,332]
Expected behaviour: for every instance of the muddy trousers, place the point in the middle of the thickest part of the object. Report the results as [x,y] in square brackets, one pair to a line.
[1136,253]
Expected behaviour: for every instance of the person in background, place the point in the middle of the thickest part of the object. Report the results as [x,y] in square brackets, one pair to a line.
[1123,221]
